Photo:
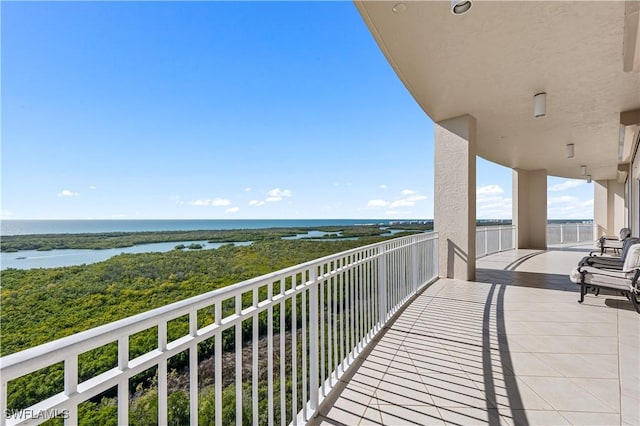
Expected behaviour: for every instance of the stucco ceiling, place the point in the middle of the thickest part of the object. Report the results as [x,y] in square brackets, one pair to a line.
[491,61]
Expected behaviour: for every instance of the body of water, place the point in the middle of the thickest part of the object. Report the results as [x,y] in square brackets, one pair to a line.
[29,259]
[25,227]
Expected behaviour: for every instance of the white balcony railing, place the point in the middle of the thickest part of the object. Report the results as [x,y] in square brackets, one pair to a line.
[494,239]
[331,308]
[569,233]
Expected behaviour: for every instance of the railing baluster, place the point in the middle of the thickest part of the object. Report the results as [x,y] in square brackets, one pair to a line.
[313,343]
[193,370]
[283,334]
[238,354]
[294,354]
[217,371]
[163,410]
[303,329]
[320,286]
[382,287]
[123,384]
[254,360]
[270,388]
[70,387]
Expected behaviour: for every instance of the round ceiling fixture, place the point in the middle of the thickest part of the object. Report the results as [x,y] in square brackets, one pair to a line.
[399,8]
[459,7]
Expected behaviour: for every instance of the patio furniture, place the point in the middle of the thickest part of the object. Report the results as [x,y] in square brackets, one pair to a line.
[613,262]
[624,280]
[605,243]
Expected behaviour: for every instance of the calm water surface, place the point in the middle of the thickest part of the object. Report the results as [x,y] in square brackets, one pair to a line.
[28,259]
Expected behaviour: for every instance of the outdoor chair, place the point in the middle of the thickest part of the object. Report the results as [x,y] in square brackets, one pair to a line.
[624,280]
[605,243]
[613,262]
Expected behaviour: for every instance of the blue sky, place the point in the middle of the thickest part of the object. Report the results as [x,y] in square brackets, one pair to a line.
[218,110]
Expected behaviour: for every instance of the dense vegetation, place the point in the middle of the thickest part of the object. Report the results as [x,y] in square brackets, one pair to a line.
[41,305]
[13,243]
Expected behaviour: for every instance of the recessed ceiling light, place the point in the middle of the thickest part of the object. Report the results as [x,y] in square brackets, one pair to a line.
[459,7]
[399,8]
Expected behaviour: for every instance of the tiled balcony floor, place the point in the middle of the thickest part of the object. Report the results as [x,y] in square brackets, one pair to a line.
[513,348]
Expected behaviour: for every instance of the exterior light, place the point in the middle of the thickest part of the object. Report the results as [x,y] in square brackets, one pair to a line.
[621,135]
[588,178]
[583,170]
[540,104]
[399,8]
[459,7]
[570,150]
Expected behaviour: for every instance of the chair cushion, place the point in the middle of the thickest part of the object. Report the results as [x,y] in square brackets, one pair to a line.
[632,261]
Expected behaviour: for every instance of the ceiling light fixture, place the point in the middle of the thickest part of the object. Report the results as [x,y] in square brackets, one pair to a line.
[399,8]
[621,135]
[583,170]
[570,150]
[459,7]
[540,104]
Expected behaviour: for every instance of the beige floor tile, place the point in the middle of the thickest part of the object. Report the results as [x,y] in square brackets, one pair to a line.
[510,392]
[554,328]
[563,394]
[339,415]
[580,365]
[402,389]
[528,364]
[470,416]
[422,415]
[606,390]
[533,417]
[454,391]
[590,419]
[371,416]
[567,344]
[630,408]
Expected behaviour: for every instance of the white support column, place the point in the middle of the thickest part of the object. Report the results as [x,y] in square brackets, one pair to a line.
[608,207]
[455,196]
[530,208]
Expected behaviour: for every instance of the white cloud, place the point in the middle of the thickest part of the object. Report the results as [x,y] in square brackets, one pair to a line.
[274,196]
[402,203]
[562,199]
[409,199]
[92,187]
[232,210]
[279,193]
[377,203]
[382,186]
[67,193]
[489,190]
[417,198]
[248,189]
[216,202]
[491,203]
[568,184]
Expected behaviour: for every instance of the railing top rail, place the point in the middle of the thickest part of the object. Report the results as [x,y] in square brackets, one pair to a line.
[43,355]
[495,227]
